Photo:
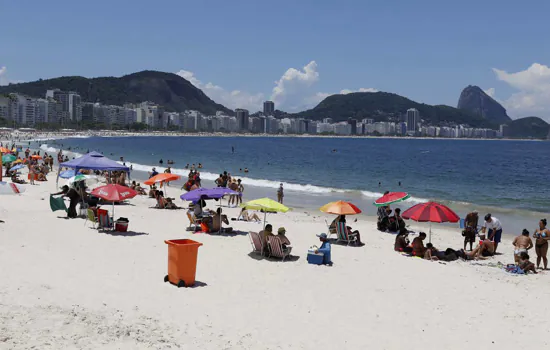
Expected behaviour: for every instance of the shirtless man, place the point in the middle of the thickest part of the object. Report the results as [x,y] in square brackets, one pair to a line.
[418,245]
[485,248]
[522,244]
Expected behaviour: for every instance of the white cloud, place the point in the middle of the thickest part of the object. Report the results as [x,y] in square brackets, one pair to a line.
[293,92]
[490,92]
[533,85]
[231,99]
[3,79]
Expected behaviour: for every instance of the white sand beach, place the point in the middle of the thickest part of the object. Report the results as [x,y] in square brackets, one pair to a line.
[65,285]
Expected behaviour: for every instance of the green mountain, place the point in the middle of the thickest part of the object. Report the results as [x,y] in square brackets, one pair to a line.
[383,105]
[529,127]
[169,90]
[476,101]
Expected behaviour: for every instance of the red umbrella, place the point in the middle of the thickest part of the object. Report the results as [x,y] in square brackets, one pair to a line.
[114,193]
[430,212]
[392,197]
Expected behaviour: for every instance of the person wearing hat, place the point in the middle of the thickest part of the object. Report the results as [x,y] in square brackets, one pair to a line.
[470,228]
[281,233]
[324,248]
[495,229]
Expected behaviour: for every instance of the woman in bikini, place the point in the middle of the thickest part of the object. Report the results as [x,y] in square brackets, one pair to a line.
[541,236]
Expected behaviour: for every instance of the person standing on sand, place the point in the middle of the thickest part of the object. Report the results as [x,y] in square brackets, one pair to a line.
[240,189]
[542,235]
[280,194]
[495,229]
[470,228]
[522,244]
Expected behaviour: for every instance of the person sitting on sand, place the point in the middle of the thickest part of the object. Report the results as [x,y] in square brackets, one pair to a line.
[281,233]
[397,224]
[245,216]
[165,203]
[265,234]
[524,263]
[431,252]
[402,243]
[418,245]
[486,248]
[153,192]
[351,233]
[522,244]
[325,249]
[15,179]
[385,222]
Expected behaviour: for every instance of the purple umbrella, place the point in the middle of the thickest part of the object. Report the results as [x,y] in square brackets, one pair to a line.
[207,193]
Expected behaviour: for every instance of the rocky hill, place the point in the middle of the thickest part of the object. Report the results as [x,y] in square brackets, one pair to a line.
[529,127]
[476,101]
[381,105]
[169,90]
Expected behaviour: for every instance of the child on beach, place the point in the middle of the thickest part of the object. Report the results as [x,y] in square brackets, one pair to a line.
[525,264]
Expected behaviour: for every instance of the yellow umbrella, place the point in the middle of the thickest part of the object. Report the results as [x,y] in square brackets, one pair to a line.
[18,161]
[266,205]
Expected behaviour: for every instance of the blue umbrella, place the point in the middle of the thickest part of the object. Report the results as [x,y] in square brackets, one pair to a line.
[17,167]
[67,174]
[207,193]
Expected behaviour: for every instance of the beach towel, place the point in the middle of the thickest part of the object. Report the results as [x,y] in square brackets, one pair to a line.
[57,203]
[514,269]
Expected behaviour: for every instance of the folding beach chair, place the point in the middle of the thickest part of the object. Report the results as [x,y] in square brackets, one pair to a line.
[192,220]
[256,241]
[276,248]
[104,220]
[331,231]
[91,216]
[342,232]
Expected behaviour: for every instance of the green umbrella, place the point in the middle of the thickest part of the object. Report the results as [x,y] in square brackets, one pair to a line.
[8,158]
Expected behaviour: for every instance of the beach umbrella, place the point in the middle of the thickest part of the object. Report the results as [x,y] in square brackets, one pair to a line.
[18,161]
[266,205]
[207,193]
[114,193]
[340,208]
[8,158]
[430,212]
[17,167]
[162,178]
[67,174]
[90,180]
[4,150]
[35,156]
[390,198]
[10,188]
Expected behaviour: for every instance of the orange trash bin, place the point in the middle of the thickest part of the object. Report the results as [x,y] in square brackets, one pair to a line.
[182,261]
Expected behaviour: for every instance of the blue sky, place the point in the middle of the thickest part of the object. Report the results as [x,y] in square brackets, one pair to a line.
[239,51]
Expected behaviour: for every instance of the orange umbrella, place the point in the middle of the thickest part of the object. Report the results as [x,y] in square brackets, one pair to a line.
[36,157]
[4,150]
[164,177]
[340,208]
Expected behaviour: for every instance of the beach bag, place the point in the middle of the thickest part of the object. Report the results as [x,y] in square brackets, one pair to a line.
[57,203]
[204,227]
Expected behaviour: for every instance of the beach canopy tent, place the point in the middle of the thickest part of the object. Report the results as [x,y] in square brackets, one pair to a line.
[93,161]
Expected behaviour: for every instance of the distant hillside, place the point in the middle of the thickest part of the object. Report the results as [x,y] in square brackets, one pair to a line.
[529,127]
[476,101]
[380,105]
[169,90]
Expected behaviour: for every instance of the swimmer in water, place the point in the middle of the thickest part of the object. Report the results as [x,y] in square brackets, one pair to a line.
[246,170]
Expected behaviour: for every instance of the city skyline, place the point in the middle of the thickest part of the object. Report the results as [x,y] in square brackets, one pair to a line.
[335,48]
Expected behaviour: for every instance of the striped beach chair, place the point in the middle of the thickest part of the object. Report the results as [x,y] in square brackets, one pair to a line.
[256,241]
[342,232]
[276,248]
[104,220]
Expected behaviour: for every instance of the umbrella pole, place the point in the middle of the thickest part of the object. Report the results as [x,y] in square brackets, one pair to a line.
[430,240]
[265,217]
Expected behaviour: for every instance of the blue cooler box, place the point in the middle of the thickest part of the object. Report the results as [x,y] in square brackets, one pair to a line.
[316,259]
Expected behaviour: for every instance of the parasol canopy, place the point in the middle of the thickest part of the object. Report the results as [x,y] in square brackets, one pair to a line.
[340,208]
[390,198]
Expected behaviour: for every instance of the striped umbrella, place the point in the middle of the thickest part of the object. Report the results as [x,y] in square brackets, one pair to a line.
[390,198]
[430,212]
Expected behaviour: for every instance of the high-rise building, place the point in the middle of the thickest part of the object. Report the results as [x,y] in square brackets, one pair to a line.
[71,104]
[269,108]
[413,117]
[504,130]
[242,119]
[353,123]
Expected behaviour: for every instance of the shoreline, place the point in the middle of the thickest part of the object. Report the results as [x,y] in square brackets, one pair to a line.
[48,136]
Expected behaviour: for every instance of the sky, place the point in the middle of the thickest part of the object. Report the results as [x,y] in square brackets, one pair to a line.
[242,52]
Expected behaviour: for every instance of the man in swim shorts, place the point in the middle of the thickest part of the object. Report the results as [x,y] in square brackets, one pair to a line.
[522,244]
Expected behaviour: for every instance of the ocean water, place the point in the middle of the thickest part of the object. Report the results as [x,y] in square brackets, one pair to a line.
[505,177]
